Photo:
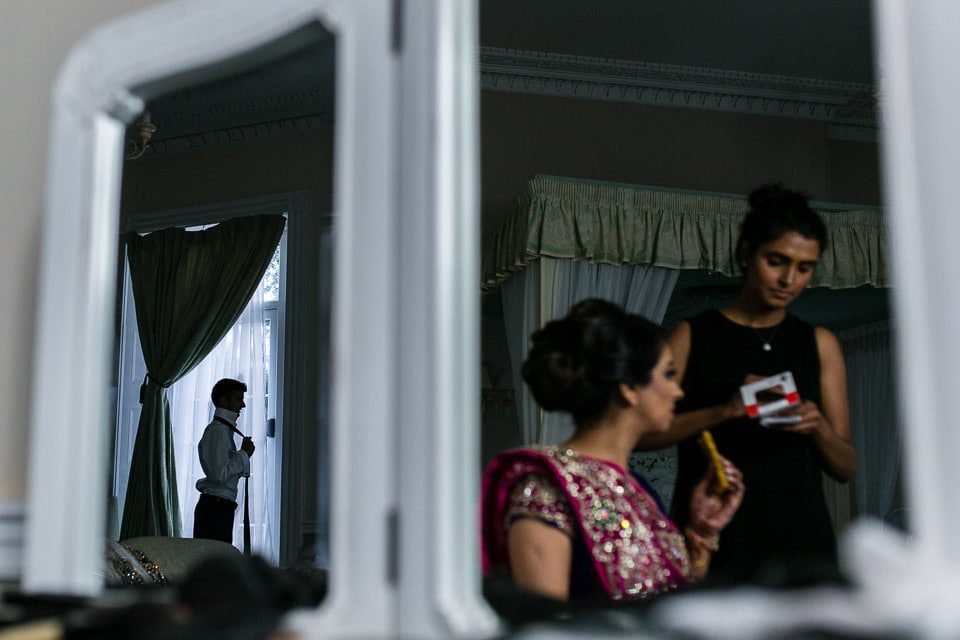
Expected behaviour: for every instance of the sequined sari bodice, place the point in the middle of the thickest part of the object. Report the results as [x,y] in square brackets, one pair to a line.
[636,551]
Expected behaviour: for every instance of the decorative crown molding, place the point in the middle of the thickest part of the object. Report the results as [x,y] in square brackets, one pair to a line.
[839,103]
[190,108]
[190,120]
[262,130]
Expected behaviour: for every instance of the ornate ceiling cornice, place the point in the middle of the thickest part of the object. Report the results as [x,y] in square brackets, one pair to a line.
[230,135]
[194,110]
[195,119]
[839,103]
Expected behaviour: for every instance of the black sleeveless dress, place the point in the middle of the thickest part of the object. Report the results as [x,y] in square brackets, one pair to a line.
[783,521]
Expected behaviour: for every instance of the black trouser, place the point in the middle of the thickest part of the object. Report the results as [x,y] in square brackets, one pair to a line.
[213,518]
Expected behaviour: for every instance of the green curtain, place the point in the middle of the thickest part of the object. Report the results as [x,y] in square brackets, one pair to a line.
[621,224]
[189,288]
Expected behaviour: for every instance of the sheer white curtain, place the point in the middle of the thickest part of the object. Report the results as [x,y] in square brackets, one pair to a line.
[547,289]
[874,417]
[240,355]
[520,297]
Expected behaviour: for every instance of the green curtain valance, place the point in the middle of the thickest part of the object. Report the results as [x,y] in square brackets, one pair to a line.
[624,225]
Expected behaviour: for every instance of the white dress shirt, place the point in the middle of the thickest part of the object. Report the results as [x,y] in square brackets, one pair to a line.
[223,464]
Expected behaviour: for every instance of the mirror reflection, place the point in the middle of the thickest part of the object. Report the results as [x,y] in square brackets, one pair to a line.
[222,344]
[619,147]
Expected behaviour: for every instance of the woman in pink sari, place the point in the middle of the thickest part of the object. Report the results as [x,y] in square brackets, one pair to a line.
[569,522]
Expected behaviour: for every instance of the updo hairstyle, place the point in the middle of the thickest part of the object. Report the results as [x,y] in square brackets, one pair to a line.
[773,212]
[577,364]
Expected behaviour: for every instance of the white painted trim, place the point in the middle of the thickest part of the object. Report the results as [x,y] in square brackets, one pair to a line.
[361,602]
[92,99]
[66,498]
[918,167]
[11,539]
[668,85]
[438,576]
[921,161]
[292,202]
[293,410]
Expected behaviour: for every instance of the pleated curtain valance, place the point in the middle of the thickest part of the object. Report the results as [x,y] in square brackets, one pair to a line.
[625,225]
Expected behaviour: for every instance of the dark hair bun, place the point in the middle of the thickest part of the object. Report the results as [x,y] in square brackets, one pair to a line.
[576,364]
[555,378]
[555,369]
[774,211]
[775,196]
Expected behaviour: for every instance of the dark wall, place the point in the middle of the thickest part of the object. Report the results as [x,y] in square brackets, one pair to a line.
[231,171]
[523,135]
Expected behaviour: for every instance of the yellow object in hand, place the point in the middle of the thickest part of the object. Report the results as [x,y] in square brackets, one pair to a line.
[710,448]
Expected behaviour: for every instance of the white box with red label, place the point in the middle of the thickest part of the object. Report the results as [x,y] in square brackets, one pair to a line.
[770,395]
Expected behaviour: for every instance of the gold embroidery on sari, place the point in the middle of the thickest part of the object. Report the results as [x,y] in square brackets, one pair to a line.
[537,496]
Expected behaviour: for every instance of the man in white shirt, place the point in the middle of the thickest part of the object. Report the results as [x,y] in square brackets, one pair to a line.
[223,464]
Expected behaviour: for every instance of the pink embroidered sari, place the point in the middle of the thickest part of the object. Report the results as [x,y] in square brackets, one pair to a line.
[635,550]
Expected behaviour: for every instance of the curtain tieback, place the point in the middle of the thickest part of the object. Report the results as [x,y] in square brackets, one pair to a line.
[143,387]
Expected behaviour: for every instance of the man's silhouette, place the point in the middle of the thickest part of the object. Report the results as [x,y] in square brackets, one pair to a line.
[223,464]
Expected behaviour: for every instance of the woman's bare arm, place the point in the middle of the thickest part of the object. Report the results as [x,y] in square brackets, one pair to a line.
[829,425]
[540,557]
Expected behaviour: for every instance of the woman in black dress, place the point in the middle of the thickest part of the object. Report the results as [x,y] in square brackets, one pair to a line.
[783,522]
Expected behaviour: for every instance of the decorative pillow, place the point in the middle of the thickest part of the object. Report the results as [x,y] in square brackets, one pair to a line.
[156,560]
[130,567]
[177,556]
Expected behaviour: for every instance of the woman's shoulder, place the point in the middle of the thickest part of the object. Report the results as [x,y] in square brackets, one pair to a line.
[707,316]
[563,465]
[792,325]
[828,344]
[539,496]
[551,458]
[508,467]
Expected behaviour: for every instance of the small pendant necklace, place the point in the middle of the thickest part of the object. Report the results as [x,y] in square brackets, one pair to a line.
[767,340]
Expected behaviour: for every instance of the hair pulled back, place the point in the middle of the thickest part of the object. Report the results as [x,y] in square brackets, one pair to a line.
[577,364]
[773,212]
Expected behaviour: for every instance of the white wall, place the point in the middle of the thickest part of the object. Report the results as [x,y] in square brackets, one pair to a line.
[35,38]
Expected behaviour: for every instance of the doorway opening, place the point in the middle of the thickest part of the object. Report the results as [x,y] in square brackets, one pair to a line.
[250,352]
